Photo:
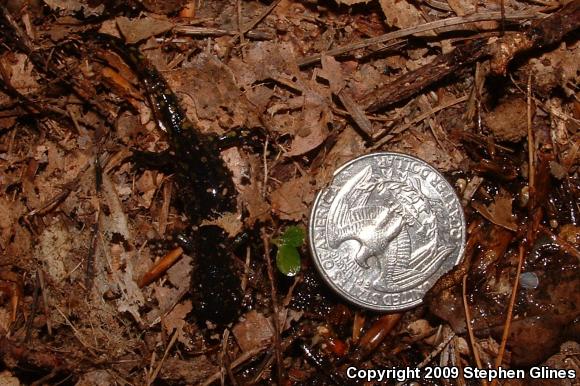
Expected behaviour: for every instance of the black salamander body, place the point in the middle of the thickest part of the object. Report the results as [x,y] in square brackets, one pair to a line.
[198,165]
[207,187]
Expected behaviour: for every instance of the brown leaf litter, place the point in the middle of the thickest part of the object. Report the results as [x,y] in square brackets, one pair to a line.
[485,93]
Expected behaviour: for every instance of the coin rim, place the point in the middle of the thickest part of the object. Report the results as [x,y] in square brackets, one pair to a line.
[351,299]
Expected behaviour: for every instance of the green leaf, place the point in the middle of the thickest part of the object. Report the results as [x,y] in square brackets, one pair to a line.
[288,260]
[288,257]
[293,235]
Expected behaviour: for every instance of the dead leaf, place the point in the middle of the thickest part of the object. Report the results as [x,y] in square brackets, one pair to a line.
[401,14]
[499,211]
[423,145]
[116,230]
[352,2]
[179,274]
[290,201]
[116,221]
[508,120]
[211,96]
[20,73]
[313,127]
[96,378]
[135,30]
[147,184]
[54,248]
[287,315]
[15,240]
[5,322]
[163,7]
[193,371]
[258,208]
[557,68]
[467,7]
[268,60]
[332,72]
[253,331]
[175,320]
[109,27]
[570,233]
[229,222]
[70,7]
[461,7]
[7,379]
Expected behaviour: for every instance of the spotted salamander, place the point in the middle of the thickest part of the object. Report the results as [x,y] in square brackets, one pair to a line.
[205,184]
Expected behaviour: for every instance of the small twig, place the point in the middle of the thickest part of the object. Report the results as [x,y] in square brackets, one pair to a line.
[205,31]
[21,38]
[256,21]
[546,4]
[531,142]
[440,5]
[452,21]
[246,273]
[398,130]
[412,82]
[502,22]
[508,322]
[226,362]
[261,367]
[45,380]
[51,204]
[164,212]
[33,307]
[77,333]
[474,105]
[358,326]
[265,161]
[562,243]
[149,372]
[160,267]
[289,295]
[158,368]
[90,261]
[375,335]
[356,112]
[474,348]
[75,122]
[44,292]
[456,361]
[436,352]
[276,316]
[491,217]
[322,365]
[543,106]
[245,356]
[239,20]
[90,266]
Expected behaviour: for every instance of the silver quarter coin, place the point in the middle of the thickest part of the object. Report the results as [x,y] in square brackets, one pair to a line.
[385,230]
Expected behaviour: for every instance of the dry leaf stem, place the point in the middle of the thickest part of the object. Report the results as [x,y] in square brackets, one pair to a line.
[474,348]
[276,315]
[508,322]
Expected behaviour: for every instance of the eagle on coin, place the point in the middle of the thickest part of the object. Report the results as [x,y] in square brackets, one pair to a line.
[377,214]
